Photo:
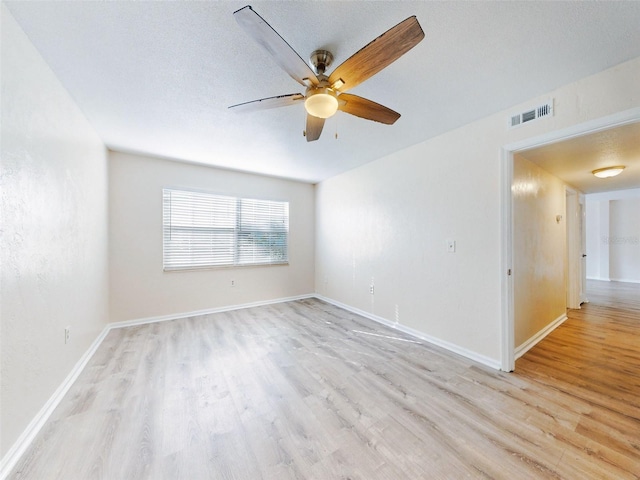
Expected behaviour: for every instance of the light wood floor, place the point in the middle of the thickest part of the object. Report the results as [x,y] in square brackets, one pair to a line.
[309,391]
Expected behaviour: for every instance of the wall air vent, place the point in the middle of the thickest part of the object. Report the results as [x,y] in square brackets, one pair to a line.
[531,114]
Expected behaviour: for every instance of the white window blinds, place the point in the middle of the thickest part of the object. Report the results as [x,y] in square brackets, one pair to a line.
[202,230]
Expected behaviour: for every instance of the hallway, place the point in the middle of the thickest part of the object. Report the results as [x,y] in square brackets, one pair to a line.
[594,358]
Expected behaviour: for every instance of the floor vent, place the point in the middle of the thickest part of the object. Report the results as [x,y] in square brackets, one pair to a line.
[544,110]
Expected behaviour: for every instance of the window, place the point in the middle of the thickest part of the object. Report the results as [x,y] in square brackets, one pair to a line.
[202,230]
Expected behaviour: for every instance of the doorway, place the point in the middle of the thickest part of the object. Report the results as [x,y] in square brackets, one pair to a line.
[508,285]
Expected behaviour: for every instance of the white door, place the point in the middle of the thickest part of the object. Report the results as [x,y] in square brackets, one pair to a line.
[582,219]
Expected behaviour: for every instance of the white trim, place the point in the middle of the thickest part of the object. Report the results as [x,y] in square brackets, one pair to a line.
[451,347]
[613,195]
[592,126]
[619,119]
[529,344]
[507,337]
[573,247]
[582,223]
[208,311]
[12,456]
[625,280]
[490,362]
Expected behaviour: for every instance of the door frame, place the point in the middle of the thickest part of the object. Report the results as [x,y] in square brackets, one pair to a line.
[573,251]
[582,215]
[507,347]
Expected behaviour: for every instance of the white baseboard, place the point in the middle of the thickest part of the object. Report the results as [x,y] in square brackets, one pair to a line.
[529,344]
[20,446]
[626,280]
[12,457]
[476,357]
[208,311]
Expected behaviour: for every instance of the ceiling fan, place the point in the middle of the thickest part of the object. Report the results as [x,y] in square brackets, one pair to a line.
[324,94]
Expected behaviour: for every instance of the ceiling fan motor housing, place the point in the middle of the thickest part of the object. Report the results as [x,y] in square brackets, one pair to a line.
[320,60]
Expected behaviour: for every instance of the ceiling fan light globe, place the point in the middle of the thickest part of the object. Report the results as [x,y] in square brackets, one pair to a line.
[321,104]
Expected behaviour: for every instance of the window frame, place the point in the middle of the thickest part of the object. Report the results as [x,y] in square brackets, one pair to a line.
[239,231]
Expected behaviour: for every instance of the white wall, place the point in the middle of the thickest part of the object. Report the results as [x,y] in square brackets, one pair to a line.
[539,249]
[613,236]
[138,286]
[597,251]
[624,240]
[389,220]
[54,233]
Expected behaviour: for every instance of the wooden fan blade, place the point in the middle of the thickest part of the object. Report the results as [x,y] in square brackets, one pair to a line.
[378,54]
[272,42]
[363,108]
[314,127]
[271,102]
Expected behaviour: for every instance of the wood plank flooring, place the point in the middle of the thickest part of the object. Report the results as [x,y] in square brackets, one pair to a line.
[306,390]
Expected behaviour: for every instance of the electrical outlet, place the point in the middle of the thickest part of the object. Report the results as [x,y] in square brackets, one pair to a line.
[371,289]
[67,334]
[451,246]
[233,283]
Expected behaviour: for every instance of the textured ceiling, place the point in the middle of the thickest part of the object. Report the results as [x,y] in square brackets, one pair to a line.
[157,77]
[573,160]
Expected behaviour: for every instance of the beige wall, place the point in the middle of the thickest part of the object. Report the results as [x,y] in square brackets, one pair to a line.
[140,289]
[539,249]
[389,220]
[54,233]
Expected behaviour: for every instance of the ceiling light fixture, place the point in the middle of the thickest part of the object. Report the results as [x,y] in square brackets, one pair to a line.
[608,171]
[321,102]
